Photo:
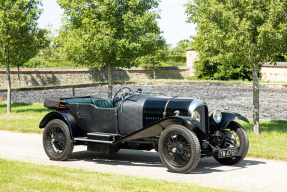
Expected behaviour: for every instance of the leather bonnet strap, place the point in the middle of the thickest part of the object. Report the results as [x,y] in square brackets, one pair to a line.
[164,111]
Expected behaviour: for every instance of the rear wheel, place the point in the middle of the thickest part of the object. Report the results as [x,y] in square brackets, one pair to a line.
[179,149]
[57,142]
[239,136]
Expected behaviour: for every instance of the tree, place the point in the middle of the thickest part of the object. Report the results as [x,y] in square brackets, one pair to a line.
[249,32]
[36,43]
[181,46]
[20,37]
[111,33]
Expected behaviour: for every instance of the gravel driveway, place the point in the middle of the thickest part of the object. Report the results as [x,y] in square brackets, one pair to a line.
[250,175]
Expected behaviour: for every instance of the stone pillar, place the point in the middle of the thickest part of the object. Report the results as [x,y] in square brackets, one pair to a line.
[191,57]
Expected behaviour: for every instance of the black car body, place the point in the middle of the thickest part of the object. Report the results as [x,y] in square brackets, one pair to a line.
[180,129]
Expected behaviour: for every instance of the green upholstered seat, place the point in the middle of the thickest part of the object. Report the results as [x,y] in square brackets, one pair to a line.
[78,100]
[101,103]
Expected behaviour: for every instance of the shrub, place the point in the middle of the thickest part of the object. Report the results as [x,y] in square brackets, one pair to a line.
[176,58]
[36,63]
[50,63]
[206,69]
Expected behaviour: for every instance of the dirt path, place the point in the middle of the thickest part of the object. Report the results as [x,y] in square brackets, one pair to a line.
[250,175]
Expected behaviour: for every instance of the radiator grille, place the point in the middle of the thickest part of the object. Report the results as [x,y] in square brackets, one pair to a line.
[203,111]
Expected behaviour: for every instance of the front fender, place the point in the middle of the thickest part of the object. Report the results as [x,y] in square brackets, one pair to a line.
[227,118]
[182,120]
[56,115]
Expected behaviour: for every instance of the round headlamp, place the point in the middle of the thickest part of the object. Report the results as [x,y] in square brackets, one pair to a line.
[217,116]
[195,115]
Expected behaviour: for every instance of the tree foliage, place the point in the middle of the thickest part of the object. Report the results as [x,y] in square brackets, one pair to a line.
[241,31]
[20,36]
[54,50]
[181,46]
[111,33]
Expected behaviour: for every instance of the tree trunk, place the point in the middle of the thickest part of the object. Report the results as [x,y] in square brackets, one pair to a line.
[19,84]
[153,69]
[9,88]
[110,82]
[255,99]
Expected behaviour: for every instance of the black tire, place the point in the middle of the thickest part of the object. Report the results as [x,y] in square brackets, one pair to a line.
[179,149]
[57,141]
[241,140]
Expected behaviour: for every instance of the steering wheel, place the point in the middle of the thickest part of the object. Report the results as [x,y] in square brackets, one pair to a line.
[116,98]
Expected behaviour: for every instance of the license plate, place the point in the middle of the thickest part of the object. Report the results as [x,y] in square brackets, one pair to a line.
[227,153]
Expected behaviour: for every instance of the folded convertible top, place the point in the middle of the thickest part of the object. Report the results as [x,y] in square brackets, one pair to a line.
[54,102]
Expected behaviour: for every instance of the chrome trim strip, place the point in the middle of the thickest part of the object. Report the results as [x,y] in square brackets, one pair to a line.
[193,105]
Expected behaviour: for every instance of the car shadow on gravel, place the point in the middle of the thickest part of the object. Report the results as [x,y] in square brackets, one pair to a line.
[123,157]
[151,159]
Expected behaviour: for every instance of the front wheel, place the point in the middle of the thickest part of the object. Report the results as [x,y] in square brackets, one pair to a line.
[57,142]
[240,137]
[179,149]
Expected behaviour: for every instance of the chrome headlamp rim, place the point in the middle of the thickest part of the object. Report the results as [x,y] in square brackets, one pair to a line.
[195,115]
[217,116]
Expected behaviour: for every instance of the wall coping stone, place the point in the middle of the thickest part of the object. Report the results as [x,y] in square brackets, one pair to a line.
[278,65]
[151,83]
[92,69]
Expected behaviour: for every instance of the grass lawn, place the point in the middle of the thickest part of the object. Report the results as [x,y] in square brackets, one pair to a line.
[272,141]
[22,176]
[270,144]
[25,118]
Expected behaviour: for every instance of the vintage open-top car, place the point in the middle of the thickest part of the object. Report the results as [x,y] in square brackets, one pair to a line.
[179,129]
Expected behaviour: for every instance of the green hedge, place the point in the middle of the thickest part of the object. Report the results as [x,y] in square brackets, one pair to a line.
[206,69]
[176,58]
[55,60]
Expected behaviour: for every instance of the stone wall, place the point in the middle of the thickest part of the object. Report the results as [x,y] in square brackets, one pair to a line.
[273,73]
[40,77]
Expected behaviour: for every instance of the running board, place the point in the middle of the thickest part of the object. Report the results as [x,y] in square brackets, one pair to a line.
[85,139]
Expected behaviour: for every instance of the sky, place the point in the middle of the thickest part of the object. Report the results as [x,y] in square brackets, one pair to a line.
[172,21]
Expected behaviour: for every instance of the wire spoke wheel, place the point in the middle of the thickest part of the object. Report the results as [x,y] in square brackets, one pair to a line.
[57,142]
[239,137]
[179,149]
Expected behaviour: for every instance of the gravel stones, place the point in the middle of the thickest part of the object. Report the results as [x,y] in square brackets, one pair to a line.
[273,104]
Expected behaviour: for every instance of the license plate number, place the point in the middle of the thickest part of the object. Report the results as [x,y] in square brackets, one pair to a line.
[227,153]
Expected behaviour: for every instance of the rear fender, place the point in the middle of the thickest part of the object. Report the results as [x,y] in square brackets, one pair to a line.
[155,129]
[227,118]
[65,117]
